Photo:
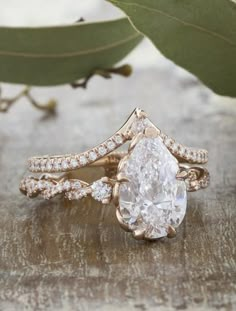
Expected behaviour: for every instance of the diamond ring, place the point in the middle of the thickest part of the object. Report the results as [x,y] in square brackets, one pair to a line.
[148,184]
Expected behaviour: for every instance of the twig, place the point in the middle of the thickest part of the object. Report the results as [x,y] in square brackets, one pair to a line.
[6,103]
[124,71]
[49,106]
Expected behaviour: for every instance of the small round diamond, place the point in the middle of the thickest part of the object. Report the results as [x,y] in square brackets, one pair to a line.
[102,150]
[194,157]
[83,193]
[169,141]
[76,185]
[47,195]
[163,136]
[69,196]
[181,151]
[47,185]
[118,139]
[36,164]
[199,157]
[100,190]
[83,160]
[59,187]
[111,145]
[64,164]
[92,155]
[191,155]
[187,154]
[54,190]
[40,185]
[67,185]
[78,195]
[32,184]
[49,166]
[175,148]
[57,165]
[203,157]
[43,164]
[74,163]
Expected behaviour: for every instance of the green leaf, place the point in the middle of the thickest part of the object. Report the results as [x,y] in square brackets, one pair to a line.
[63,54]
[199,35]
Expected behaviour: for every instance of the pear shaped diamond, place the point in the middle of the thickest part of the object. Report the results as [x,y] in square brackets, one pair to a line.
[153,199]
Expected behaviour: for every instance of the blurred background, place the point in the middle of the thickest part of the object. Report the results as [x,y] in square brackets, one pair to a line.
[156,84]
[57,12]
[160,83]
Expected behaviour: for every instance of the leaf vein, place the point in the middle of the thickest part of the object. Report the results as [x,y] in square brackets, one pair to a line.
[70,54]
[215,34]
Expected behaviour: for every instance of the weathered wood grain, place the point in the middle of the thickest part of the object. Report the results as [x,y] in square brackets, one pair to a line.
[59,255]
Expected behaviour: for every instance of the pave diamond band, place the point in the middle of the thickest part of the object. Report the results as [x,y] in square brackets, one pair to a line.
[148,184]
[72,189]
[70,162]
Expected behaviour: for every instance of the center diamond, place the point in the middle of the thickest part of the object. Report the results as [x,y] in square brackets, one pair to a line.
[153,199]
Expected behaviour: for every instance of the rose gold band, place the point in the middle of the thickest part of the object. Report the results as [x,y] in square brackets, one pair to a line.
[136,123]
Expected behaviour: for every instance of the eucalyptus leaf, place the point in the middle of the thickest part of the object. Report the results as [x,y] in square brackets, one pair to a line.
[63,54]
[199,35]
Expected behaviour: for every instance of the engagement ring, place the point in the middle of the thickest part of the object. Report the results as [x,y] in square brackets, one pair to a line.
[148,184]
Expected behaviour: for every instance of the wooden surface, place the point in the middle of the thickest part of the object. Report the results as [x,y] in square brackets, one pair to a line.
[59,255]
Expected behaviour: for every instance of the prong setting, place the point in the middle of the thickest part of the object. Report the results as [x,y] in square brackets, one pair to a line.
[122,163]
[115,194]
[151,132]
[139,234]
[181,175]
[140,113]
[121,178]
[171,232]
[121,221]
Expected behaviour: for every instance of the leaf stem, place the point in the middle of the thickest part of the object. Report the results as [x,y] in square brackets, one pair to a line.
[124,70]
